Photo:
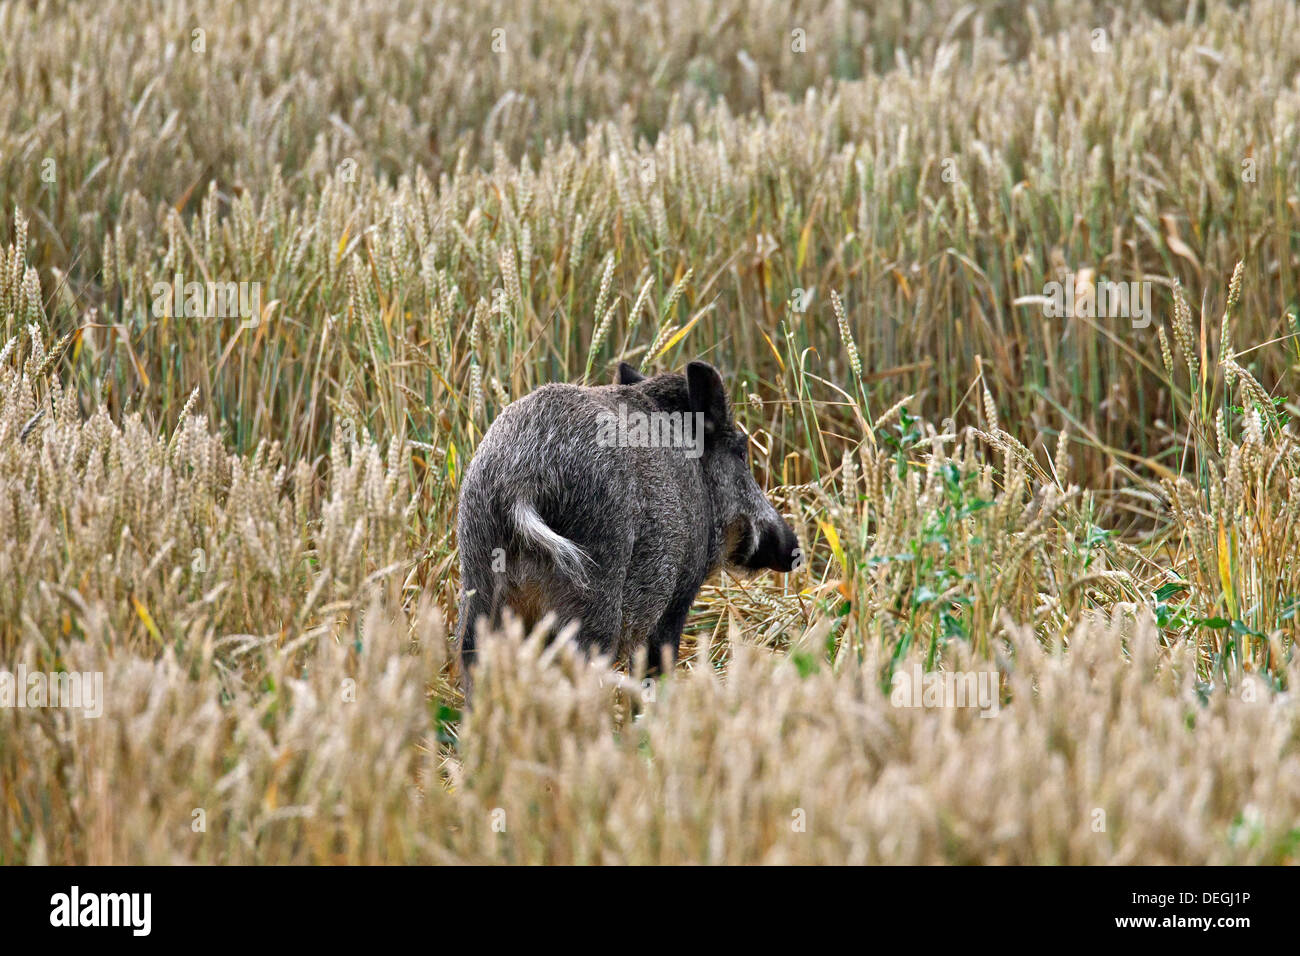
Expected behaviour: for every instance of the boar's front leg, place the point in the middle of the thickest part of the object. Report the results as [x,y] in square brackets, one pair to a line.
[666,638]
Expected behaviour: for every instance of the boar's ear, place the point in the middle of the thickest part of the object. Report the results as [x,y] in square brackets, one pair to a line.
[707,393]
[627,375]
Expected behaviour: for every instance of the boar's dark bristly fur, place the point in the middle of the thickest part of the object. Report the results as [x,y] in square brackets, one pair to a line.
[614,535]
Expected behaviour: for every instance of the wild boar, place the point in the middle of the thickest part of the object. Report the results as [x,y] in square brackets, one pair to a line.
[610,506]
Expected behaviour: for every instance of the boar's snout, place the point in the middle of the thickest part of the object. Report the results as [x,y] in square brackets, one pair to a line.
[778,547]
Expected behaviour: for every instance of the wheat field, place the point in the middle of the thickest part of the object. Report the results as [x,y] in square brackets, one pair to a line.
[238,506]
